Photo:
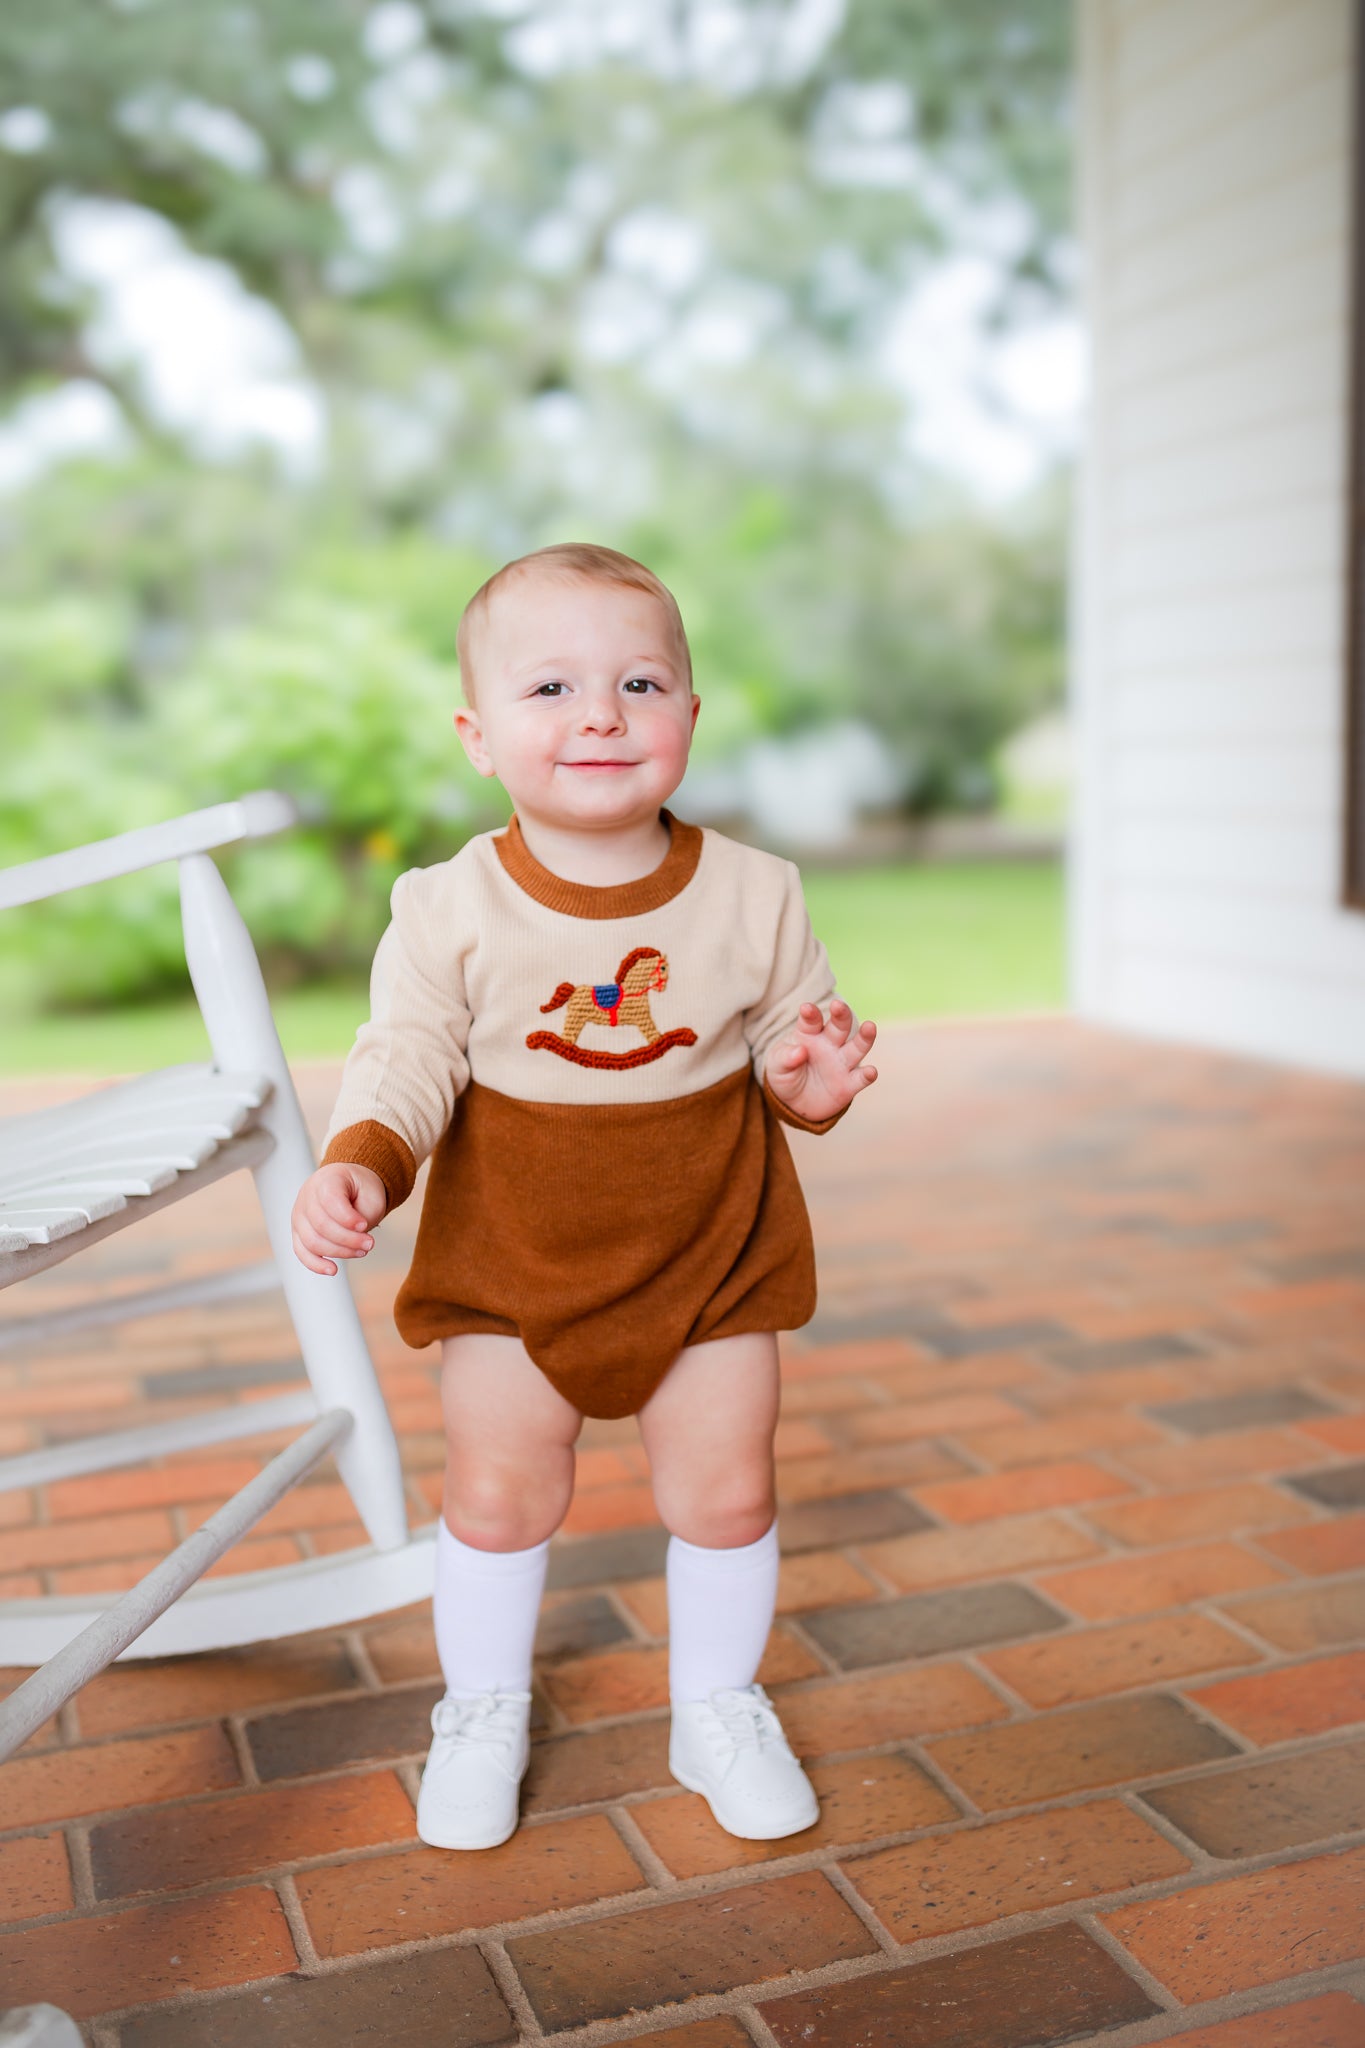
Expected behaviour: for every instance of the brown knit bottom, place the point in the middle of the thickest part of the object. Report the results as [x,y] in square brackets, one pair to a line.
[607,1238]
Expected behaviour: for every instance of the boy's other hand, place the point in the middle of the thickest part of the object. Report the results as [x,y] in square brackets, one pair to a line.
[333,1214]
[819,1069]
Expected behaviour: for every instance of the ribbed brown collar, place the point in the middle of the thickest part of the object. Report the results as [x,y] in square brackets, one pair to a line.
[620,899]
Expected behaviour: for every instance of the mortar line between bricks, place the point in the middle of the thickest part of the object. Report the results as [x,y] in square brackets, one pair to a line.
[640,1847]
[1263,1647]
[921,1754]
[1199,1858]
[761,2033]
[624,1614]
[117,2016]
[1009,1926]
[711,1884]
[1088,1918]
[852,1554]
[1020,1708]
[792,1629]
[244,1715]
[625,2026]
[656,2023]
[1155,2030]
[235,1728]
[102,1816]
[287,1893]
[977,1466]
[854,1900]
[83,1893]
[357,1649]
[513,1993]
[1110,1545]
[1297,1576]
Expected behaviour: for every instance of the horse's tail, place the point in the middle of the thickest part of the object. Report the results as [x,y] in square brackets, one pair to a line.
[558,999]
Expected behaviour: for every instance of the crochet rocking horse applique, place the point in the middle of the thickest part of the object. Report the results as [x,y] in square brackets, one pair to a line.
[643,972]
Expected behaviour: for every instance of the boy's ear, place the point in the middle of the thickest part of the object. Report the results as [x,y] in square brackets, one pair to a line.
[472,740]
[696,707]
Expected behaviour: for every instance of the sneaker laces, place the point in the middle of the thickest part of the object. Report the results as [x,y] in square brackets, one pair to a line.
[747,1718]
[493,1719]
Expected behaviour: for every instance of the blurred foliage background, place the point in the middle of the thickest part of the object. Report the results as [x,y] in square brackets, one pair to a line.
[507,271]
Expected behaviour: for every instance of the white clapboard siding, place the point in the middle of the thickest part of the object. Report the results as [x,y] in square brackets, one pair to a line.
[1208,175]
[1231,624]
[1175,336]
[1268,49]
[1217,245]
[1158,40]
[1271,464]
[1270,543]
[1299,1018]
[1210,613]
[1245,783]
[1266,932]
[1298,860]
[1262,380]
[1259,700]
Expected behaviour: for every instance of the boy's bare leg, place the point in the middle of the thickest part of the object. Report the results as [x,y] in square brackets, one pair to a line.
[708,1433]
[509,1445]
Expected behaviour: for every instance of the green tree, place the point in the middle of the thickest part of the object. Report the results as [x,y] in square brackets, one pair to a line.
[552,270]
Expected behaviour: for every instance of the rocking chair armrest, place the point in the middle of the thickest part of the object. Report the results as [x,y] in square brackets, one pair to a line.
[246,817]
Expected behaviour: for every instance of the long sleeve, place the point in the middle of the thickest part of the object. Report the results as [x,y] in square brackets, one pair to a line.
[409,1061]
[800,974]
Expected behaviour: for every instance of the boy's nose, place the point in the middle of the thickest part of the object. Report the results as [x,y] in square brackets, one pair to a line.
[601,712]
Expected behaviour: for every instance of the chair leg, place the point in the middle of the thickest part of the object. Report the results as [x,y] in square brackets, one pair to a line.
[236,1010]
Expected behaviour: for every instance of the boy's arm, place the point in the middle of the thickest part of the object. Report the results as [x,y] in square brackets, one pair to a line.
[408,1062]
[791,1014]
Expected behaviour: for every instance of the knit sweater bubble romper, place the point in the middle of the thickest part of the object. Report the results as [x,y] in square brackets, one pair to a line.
[609,1177]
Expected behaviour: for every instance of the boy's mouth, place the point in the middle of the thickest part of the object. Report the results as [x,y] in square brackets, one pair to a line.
[599,764]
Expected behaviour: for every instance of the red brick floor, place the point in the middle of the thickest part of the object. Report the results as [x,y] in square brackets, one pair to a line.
[1071,1631]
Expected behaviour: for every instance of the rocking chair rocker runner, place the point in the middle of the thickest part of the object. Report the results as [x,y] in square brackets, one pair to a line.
[71,1175]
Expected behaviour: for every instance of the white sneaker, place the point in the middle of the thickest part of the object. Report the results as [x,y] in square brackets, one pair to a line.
[471,1783]
[730,1748]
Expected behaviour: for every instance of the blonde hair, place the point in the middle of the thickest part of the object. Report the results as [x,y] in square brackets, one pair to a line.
[583,559]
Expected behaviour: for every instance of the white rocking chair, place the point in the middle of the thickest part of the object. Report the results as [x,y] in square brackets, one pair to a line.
[71,1175]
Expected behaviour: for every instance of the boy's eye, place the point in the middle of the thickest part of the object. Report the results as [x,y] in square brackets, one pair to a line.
[640,684]
[550,690]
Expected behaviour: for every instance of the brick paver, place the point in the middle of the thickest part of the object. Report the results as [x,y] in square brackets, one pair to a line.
[1072,1484]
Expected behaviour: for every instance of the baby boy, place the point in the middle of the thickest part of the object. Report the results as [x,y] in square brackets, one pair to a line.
[595,1023]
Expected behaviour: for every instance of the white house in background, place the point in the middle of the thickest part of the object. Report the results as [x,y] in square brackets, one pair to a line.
[1218,529]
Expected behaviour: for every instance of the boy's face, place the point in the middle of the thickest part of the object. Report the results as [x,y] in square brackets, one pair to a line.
[584,711]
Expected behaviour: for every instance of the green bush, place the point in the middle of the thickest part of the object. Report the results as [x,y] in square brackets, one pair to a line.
[332,703]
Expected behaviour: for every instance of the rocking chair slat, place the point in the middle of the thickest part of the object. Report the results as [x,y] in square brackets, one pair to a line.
[30,1704]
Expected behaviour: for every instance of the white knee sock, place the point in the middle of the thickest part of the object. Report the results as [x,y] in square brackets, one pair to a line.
[720,1608]
[485,1606]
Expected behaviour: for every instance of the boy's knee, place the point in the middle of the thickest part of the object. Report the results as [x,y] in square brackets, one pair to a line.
[717,1521]
[492,1510]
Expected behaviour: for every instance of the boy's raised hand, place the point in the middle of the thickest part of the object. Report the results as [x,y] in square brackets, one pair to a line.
[333,1214]
[819,1069]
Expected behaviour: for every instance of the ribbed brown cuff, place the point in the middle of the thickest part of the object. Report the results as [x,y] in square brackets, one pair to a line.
[382,1150]
[800,1123]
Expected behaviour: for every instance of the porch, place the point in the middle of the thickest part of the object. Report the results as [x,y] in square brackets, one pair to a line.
[1072,1624]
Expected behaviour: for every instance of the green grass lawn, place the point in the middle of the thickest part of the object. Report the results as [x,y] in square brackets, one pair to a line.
[951,940]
